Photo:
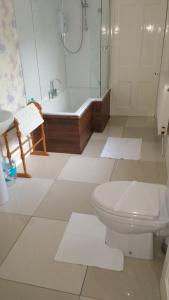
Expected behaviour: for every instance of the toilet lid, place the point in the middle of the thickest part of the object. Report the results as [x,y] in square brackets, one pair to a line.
[129,198]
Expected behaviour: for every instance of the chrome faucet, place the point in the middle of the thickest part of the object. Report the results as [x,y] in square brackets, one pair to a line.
[54,91]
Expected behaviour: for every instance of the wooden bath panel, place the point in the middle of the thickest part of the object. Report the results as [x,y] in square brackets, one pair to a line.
[101,113]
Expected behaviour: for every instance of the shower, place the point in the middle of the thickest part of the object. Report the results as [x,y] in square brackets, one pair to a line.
[68,40]
[64,26]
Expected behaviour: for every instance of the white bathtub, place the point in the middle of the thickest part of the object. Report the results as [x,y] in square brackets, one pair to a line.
[71,103]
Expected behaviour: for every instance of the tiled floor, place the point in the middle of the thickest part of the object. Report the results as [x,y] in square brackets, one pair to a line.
[32,225]
[43,167]
[26,195]
[71,196]
[31,260]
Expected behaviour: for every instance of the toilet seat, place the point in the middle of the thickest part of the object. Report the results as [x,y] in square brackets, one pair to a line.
[127,199]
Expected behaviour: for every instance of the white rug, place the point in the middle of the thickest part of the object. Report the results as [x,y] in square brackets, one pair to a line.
[84,243]
[122,148]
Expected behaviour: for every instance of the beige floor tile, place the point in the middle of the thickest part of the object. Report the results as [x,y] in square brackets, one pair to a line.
[111,131]
[153,172]
[17,291]
[26,195]
[148,122]
[151,152]
[66,197]
[86,169]
[139,280]
[117,121]
[31,260]
[147,134]
[94,147]
[46,166]
[10,228]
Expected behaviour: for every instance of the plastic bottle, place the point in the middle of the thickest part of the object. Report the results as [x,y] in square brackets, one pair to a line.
[12,173]
[5,167]
[9,170]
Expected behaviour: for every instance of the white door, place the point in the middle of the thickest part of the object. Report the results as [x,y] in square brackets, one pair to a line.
[138,32]
[164,284]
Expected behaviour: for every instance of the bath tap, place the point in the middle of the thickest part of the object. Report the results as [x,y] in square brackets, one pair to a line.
[54,91]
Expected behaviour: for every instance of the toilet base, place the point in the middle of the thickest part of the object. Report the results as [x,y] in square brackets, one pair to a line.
[132,245]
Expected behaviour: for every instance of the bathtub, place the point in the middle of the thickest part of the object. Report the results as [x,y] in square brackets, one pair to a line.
[61,105]
[70,121]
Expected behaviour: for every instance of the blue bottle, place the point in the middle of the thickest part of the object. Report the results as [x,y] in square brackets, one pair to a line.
[10,171]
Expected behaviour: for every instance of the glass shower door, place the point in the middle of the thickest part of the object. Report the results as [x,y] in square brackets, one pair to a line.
[105,46]
[94,18]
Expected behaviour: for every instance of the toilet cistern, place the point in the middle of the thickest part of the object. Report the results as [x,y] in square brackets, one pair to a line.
[6,119]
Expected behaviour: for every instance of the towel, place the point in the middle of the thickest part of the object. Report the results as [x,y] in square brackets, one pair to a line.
[29,118]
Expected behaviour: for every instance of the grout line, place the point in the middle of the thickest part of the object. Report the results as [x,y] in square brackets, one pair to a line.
[40,287]
[114,168]
[61,220]
[88,298]
[83,281]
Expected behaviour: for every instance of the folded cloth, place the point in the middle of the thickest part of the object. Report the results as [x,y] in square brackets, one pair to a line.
[29,118]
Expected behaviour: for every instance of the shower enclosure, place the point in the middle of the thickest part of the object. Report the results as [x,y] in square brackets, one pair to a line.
[64,46]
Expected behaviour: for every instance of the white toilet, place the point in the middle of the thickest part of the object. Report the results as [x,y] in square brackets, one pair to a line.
[132,211]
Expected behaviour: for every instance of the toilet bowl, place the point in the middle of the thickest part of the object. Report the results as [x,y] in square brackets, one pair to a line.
[132,211]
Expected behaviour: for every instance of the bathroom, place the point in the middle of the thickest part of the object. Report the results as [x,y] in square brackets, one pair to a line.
[117,45]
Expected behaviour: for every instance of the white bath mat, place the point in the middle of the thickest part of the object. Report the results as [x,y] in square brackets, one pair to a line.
[122,148]
[84,243]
